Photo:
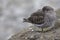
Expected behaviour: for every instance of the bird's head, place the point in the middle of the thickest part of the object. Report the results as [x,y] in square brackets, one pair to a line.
[47,9]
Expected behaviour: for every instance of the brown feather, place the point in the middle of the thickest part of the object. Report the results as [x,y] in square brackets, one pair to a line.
[37,17]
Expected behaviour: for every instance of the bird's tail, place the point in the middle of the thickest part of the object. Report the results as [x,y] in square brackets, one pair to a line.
[25,20]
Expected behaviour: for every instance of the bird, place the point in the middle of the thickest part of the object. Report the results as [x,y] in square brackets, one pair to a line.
[42,18]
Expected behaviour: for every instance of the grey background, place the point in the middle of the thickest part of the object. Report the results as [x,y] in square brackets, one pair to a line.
[12,13]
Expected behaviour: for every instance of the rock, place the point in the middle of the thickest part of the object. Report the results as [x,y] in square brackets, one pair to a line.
[31,34]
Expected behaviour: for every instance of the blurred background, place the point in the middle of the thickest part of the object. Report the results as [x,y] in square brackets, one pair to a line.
[12,13]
